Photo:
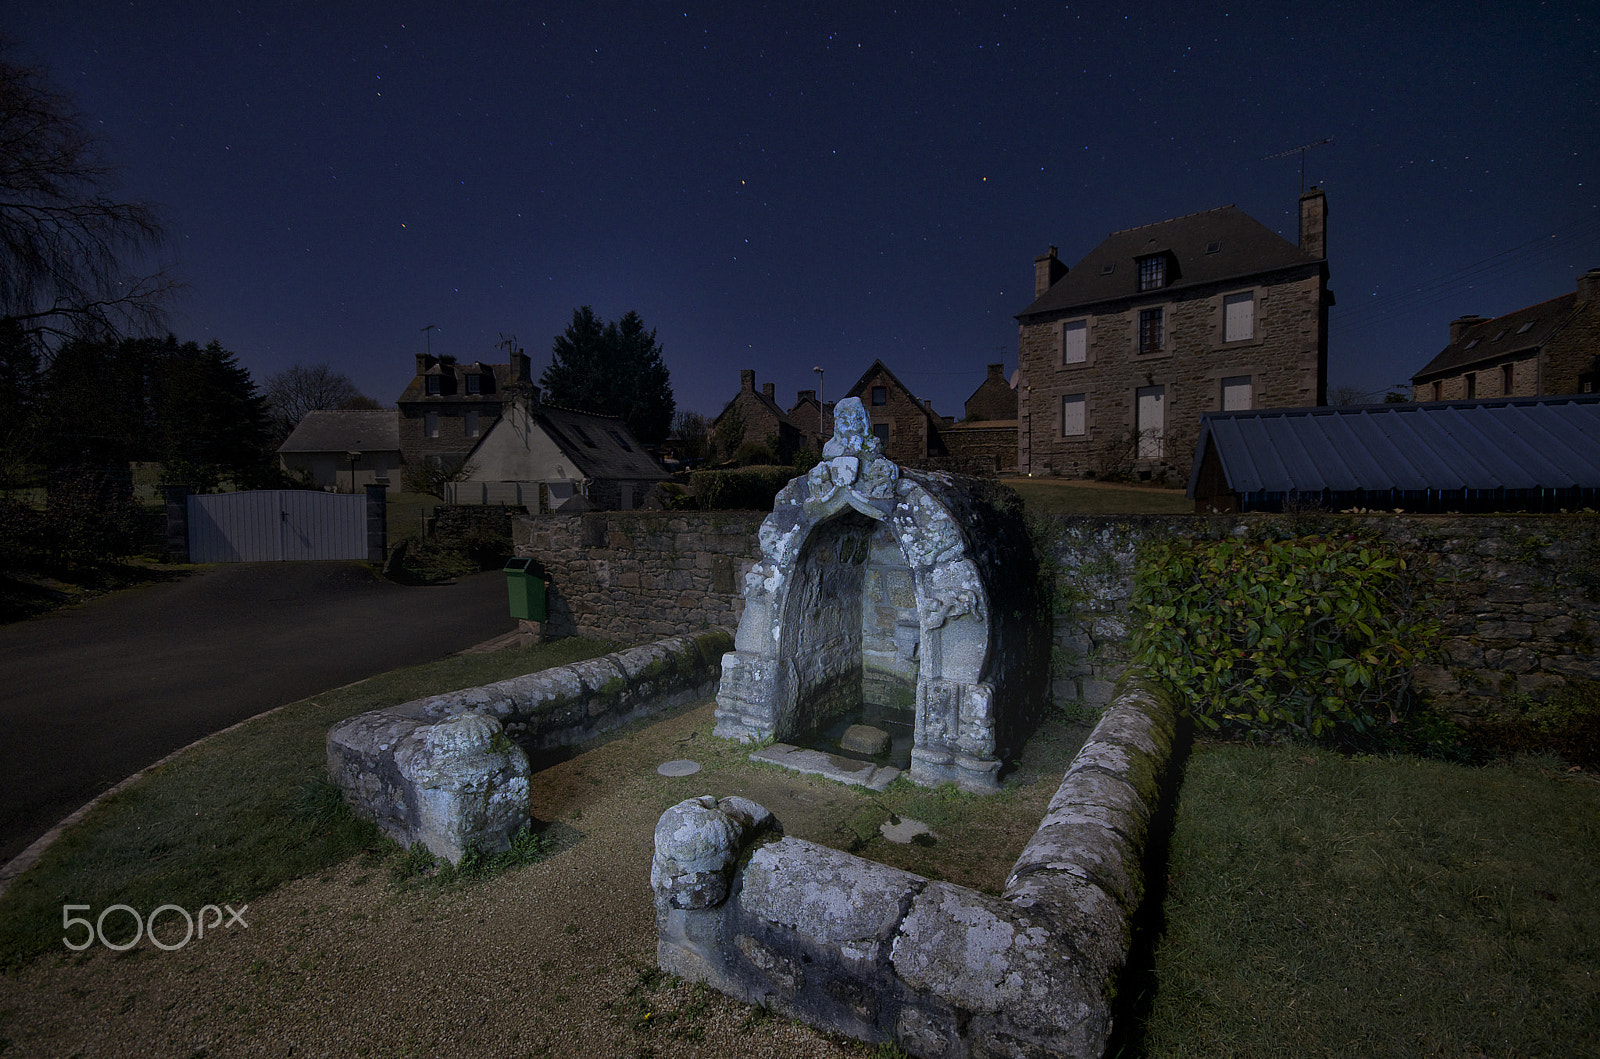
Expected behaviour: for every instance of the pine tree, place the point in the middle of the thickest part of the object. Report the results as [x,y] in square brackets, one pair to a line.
[612,368]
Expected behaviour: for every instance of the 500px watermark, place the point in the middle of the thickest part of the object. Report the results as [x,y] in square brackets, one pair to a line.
[209,918]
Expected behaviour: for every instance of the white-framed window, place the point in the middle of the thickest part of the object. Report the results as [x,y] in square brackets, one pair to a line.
[1239,317]
[1075,342]
[1237,394]
[1152,327]
[1153,272]
[430,424]
[1074,418]
[469,422]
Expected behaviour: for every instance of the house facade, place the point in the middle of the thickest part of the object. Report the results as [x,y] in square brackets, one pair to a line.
[346,450]
[449,406]
[994,399]
[1549,348]
[544,458]
[1120,355]
[909,430]
[812,418]
[759,420]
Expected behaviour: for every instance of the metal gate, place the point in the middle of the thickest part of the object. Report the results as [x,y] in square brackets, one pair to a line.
[270,525]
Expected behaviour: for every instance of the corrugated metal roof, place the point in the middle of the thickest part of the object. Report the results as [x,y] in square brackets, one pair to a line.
[1532,443]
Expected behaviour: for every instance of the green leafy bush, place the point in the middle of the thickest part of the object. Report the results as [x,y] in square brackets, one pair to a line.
[1314,636]
[750,489]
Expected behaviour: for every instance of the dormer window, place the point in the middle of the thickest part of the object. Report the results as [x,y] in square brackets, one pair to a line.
[474,383]
[1153,272]
[432,385]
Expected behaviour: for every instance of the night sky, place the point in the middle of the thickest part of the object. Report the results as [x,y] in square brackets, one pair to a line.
[786,186]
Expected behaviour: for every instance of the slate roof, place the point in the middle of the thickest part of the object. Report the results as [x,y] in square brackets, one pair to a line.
[1244,247]
[1523,331]
[345,431]
[1526,443]
[598,446]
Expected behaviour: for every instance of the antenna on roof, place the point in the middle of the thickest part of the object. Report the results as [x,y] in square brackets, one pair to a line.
[429,331]
[1301,150]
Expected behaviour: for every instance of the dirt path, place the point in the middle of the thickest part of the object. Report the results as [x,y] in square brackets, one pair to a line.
[554,959]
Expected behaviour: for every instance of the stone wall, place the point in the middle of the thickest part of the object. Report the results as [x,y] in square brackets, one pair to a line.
[987,448]
[1519,597]
[884,955]
[1281,361]
[640,574]
[451,771]
[1522,592]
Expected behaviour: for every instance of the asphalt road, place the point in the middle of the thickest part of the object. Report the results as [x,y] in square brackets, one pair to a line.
[91,694]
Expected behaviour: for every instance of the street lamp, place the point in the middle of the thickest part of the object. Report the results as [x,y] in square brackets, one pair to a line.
[822,415]
[352,456]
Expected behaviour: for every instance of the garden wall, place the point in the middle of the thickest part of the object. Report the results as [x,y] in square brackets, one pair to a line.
[1520,593]
[635,575]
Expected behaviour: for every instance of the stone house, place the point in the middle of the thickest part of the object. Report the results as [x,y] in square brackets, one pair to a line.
[344,451]
[909,430]
[448,406]
[1549,348]
[994,399]
[812,418]
[1121,354]
[545,458]
[761,420]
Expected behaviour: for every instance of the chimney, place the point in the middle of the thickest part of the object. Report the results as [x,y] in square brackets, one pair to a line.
[747,380]
[802,396]
[997,371]
[1047,270]
[521,367]
[422,363]
[1314,222]
[767,390]
[1589,286]
[1459,326]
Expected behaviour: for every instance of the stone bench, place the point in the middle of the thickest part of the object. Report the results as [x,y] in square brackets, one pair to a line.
[451,771]
[880,954]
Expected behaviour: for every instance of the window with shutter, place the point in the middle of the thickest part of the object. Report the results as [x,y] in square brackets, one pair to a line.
[1239,317]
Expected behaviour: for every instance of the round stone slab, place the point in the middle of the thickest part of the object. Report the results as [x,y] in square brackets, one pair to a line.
[679,767]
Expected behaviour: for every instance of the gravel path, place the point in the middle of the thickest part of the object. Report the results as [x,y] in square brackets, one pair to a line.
[554,959]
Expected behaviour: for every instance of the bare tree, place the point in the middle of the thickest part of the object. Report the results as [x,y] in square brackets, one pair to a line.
[67,249]
[302,388]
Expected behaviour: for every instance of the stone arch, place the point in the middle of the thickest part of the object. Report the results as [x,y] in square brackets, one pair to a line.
[799,655]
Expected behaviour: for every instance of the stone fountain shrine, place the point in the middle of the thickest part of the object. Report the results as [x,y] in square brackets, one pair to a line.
[878,584]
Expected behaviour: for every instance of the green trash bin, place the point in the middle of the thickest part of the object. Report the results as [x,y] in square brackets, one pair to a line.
[526,589]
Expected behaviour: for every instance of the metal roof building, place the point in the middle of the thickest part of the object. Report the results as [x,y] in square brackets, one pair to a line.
[1528,454]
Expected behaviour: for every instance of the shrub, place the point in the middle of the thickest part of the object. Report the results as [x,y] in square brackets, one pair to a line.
[1567,724]
[750,489]
[753,454]
[1313,636]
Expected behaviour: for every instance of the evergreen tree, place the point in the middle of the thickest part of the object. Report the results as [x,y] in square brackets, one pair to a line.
[612,368]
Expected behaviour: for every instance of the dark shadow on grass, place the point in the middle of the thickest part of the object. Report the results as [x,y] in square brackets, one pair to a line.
[1136,992]
[25,595]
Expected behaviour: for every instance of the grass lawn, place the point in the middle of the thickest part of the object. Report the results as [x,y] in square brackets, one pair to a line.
[1320,905]
[1056,496]
[238,815]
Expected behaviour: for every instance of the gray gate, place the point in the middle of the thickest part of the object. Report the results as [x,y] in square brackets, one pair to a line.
[269,525]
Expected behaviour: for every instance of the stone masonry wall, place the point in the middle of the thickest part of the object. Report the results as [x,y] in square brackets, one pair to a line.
[1522,592]
[880,954]
[1519,597]
[642,574]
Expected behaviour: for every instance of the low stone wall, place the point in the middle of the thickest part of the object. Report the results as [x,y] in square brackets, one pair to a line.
[624,575]
[1521,593]
[1518,596]
[881,954]
[451,771]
